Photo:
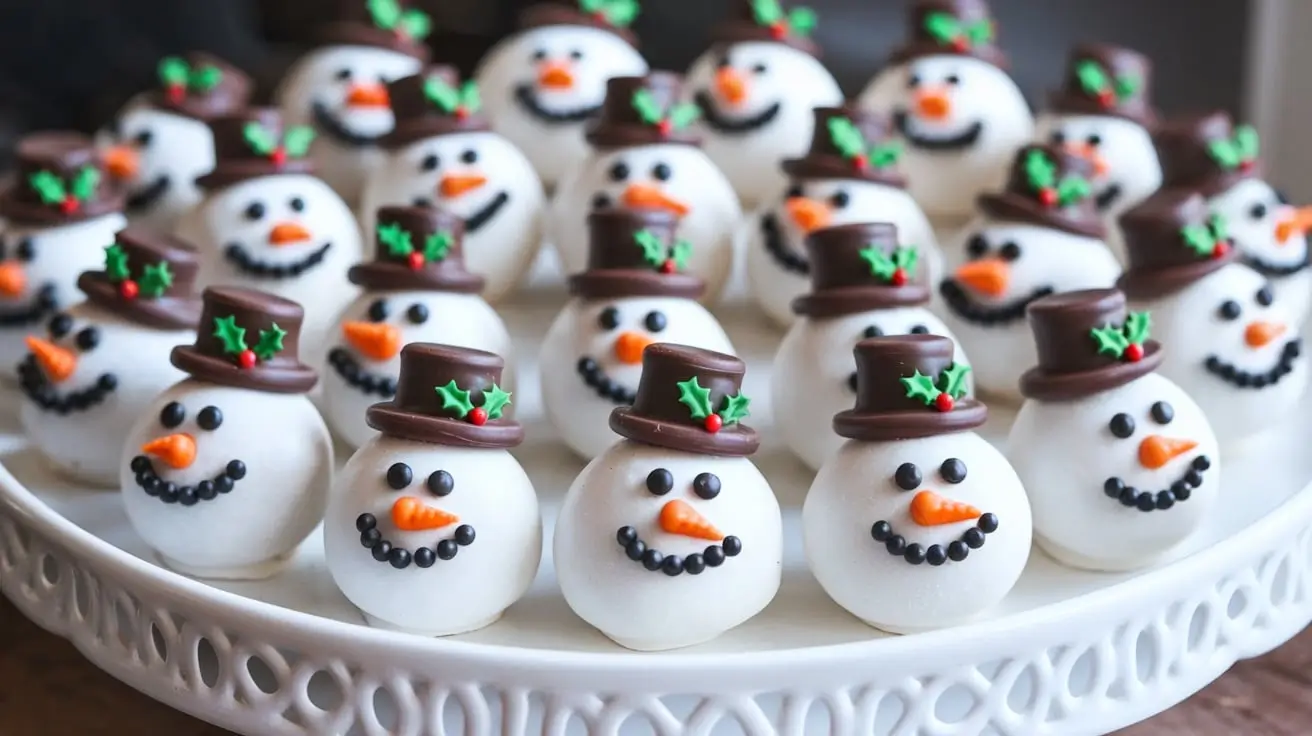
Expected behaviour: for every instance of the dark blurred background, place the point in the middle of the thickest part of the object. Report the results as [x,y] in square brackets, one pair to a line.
[70,63]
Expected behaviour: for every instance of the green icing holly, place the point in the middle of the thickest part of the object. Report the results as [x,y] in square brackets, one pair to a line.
[949,30]
[940,393]
[1041,173]
[1209,239]
[798,21]
[678,117]
[295,141]
[233,338]
[698,400]
[618,13]
[896,268]
[409,22]
[458,401]
[1124,342]
[664,259]
[176,74]
[116,263]
[1238,152]
[461,101]
[1096,82]
[400,244]
[850,142]
[68,196]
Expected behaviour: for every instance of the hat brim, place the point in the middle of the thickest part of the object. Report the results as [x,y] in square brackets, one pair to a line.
[911,424]
[617,283]
[920,49]
[735,440]
[1007,206]
[227,173]
[397,277]
[832,167]
[546,14]
[1064,102]
[286,378]
[164,313]
[628,136]
[431,126]
[17,210]
[389,420]
[1035,383]
[853,299]
[1151,283]
[359,34]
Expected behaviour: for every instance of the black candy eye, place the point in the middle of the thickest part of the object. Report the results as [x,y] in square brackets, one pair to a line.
[655,321]
[913,81]
[1094,140]
[609,318]
[1009,251]
[429,163]
[540,55]
[399,476]
[576,55]
[440,483]
[88,338]
[706,485]
[840,199]
[920,330]
[417,314]
[1162,412]
[421,202]
[1265,296]
[907,477]
[469,156]
[297,204]
[873,331]
[952,470]
[619,171]
[172,414]
[1229,309]
[953,79]
[1121,426]
[722,62]
[254,211]
[378,311]
[60,325]
[342,74]
[1257,211]
[600,201]
[794,192]
[758,68]
[25,250]
[977,246]
[209,418]
[143,138]
[660,481]
[1058,137]
[661,172]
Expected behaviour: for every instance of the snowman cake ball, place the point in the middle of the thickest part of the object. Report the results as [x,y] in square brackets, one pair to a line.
[442,153]
[675,518]
[863,284]
[56,215]
[228,471]
[1121,463]
[756,87]
[634,292]
[100,363]
[415,290]
[1231,342]
[849,175]
[1210,154]
[1040,235]
[960,114]
[158,145]
[544,84]
[267,222]
[339,87]
[917,522]
[646,156]
[433,527]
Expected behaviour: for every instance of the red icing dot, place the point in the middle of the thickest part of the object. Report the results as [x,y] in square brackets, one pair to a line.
[1220,249]
[175,92]
[415,260]
[246,359]
[668,266]
[600,17]
[69,205]
[713,423]
[1048,196]
[959,45]
[462,112]
[478,416]
[128,289]
[861,161]
[1134,353]
[779,30]
[899,277]
[665,127]
[1106,98]
[279,156]
[944,402]
[1246,165]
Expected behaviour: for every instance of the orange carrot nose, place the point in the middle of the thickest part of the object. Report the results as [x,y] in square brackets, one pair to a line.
[987,276]
[808,214]
[367,95]
[555,75]
[12,279]
[933,103]
[731,85]
[288,233]
[629,347]
[930,509]
[122,161]
[1257,334]
[1156,450]
[645,196]
[454,185]
[376,340]
[409,514]
[56,362]
[678,517]
[1293,222]
[1091,154]
[177,450]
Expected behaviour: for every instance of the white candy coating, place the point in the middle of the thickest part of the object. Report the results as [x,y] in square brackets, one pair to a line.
[177,148]
[1253,213]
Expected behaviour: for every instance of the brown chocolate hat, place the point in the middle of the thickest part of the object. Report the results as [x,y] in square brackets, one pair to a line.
[860,267]
[767,20]
[1207,152]
[1049,187]
[251,143]
[960,27]
[431,103]
[849,143]
[60,180]
[448,396]
[247,339]
[611,15]
[634,252]
[149,278]
[907,386]
[640,111]
[200,85]
[689,400]
[1171,240]
[394,25]
[419,249]
[1106,80]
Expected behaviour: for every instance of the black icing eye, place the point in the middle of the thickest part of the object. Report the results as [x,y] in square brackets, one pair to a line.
[1265,296]
[619,171]
[907,477]
[209,418]
[1229,309]
[1058,137]
[430,163]
[758,68]
[576,54]
[794,191]
[254,211]
[421,202]
[1281,197]
[655,321]
[88,338]
[172,414]
[25,250]
[469,156]
[609,318]
[600,201]
[378,311]
[722,62]
[977,246]
[1162,412]
[1009,251]
[953,79]
[1257,211]
[913,81]
[660,481]
[143,138]
[840,199]
[873,331]
[851,381]
[920,330]
[440,483]
[661,172]
[706,485]
[417,314]
[1121,425]
[1093,140]
[952,470]
[540,55]
[399,476]
[60,325]
[342,74]
[297,204]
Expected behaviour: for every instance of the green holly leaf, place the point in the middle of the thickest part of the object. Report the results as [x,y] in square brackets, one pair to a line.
[881,265]
[84,183]
[1092,77]
[172,71]
[494,400]
[116,263]
[296,141]
[653,250]
[204,78]
[684,114]
[696,398]
[470,98]
[981,31]
[846,137]
[455,399]
[1198,238]
[735,408]
[680,252]
[621,13]
[1040,171]
[269,343]
[921,387]
[1111,340]
[260,140]
[592,6]
[906,257]
[232,336]
[885,155]
[396,238]
[49,188]
[156,278]
[767,12]
[802,21]
[1072,189]
[1224,153]
[1220,228]
[385,13]
[415,24]
[952,381]
[1137,326]
[1126,85]
[645,103]
[437,246]
[1247,143]
[441,94]
[943,27]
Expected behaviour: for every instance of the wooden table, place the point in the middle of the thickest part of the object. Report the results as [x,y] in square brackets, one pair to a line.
[46,688]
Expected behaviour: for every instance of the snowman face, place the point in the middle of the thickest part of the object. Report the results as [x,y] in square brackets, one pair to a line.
[1124,161]
[669,177]
[557,74]
[817,203]
[1269,233]
[39,266]
[341,89]
[956,103]
[743,87]
[156,154]
[71,368]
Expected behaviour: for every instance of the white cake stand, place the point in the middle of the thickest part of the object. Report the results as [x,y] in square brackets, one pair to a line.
[1067,653]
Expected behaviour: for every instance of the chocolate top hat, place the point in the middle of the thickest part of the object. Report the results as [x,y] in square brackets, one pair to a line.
[149,278]
[1171,240]
[641,111]
[960,27]
[1049,187]
[609,15]
[59,180]
[247,339]
[848,143]
[767,20]
[907,386]
[860,267]
[419,249]
[688,400]
[1106,80]
[1087,343]
[199,85]
[635,253]
[431,103]
[251,143]
[448,396]
[1207,152]
[387,24]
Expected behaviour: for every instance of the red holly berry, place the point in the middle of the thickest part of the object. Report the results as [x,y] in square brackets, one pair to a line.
[665,127]
[279,156]
[246,359]
[779,30]
[944,402]
[69,205]
[959,44]
[128,289]
[462,112]
[1106,98]
[1134,353]
[600,17]
[669,266]
[1246,165]
[1220,248]
[478,416]
[1048,196]
[713,423]
[899,277]
[861,161]
[415,260]
[175,92]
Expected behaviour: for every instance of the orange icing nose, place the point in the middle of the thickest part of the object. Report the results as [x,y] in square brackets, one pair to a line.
[555,75]
[986,276]
[807,214]
[409,514]
[12,279]
[367,95]
[287,233]
[1258,334]
[930,509]
[679,517]
[1091,154]
[56,362]
[629,347]
[645,196]
[376,340]
[1156,450]
[454,185]
[123,162]
[933,104]
[731,85]
[1293,223]
[176,450]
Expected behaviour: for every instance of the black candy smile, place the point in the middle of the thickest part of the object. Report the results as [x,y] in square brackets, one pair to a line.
[673,565]
[207,490]
[241,259]
[476,221]
[964,307]
[1244,379]
[526,96]
[1180,490]
[146,197]
[776,244]
[400,557]
[349,369]
[331,126]
[605,387]
[1106,198]
[40,391]
[40,308]
[718,122]
[1274,270]
[964,139]
[935,554]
